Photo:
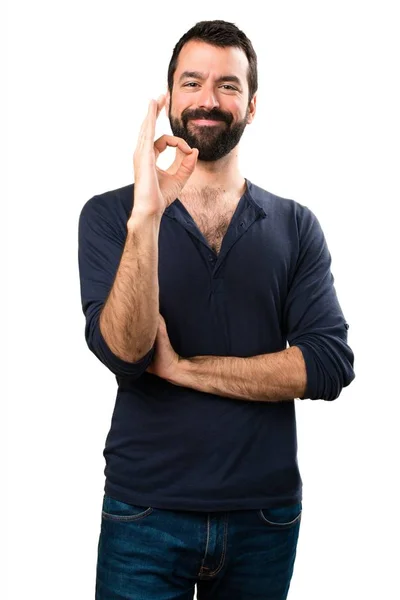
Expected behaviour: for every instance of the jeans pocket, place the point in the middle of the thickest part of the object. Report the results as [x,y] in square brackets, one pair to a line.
[115,510]
[281,517]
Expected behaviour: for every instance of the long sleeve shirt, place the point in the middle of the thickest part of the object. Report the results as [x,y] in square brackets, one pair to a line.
[270,286]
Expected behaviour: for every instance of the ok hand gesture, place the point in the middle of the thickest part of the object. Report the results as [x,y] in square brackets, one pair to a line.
[154,188]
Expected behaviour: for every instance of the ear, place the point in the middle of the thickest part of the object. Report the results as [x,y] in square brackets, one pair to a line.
[252,109]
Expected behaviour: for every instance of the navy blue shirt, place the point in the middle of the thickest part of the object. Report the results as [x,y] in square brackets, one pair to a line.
[270,286]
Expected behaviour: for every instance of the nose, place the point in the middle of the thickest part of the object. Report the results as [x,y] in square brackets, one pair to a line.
[207,98]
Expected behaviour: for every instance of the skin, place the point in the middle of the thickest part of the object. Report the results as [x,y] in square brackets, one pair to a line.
[155,189]
[207,94]
[267,377]
[133,302]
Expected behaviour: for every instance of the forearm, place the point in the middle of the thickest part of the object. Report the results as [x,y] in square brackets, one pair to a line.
[129,318]
[266,377]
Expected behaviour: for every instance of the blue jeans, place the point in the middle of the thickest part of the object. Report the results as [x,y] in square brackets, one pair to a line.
[147,553]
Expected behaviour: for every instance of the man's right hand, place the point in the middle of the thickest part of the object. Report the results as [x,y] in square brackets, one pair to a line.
[154,188]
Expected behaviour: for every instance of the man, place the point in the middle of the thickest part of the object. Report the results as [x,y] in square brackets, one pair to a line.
[193,283]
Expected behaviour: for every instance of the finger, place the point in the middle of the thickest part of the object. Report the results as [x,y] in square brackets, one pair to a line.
[147,130]
[186,167]
[143,130]
[160,103]
[150,122]
[171,140]
[153,115]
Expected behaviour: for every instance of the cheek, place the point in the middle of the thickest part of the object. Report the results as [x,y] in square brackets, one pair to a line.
[236,108]
[179,102]
[177,110]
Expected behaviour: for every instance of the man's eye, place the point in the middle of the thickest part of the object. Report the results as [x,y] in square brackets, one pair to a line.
[225,85]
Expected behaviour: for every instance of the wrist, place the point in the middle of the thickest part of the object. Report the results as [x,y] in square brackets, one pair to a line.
[139,219]
[181,373]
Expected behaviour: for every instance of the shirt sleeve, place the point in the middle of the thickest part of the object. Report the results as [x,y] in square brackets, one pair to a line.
[101,240]
[313,318]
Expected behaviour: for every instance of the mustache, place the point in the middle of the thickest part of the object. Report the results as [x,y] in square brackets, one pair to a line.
[212,115]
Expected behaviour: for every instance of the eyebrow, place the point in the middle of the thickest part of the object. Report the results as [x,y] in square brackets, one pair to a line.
[199,75]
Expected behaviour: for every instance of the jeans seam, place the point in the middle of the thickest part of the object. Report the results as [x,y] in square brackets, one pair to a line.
[206,550]
[279,524]
[221,564]
[112,517]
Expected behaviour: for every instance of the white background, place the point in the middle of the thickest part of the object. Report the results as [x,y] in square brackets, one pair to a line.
[326,134]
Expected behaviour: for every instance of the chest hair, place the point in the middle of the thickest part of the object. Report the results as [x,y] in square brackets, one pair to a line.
[212,212]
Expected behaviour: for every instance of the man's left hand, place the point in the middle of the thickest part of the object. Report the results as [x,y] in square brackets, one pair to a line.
[165,360]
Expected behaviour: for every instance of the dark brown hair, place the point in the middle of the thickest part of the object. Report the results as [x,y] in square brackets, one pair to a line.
[221,34]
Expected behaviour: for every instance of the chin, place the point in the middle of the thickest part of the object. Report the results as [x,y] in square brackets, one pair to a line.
[206,157]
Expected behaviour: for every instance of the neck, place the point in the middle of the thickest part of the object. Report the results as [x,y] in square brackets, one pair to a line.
[222,175]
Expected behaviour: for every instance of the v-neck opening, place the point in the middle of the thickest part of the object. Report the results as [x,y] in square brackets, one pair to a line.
[190,221]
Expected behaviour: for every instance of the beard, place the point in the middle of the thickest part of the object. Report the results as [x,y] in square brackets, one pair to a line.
[212,141]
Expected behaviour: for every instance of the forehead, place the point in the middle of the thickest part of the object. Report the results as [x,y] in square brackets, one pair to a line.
[212,60]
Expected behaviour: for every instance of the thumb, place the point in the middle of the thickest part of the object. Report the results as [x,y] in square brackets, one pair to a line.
[162,326]
[186,167]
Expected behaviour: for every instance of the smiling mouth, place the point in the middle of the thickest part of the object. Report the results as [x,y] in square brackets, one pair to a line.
[206,122]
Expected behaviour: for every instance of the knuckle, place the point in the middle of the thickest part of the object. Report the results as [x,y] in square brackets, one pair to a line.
[161,140]
[183,142]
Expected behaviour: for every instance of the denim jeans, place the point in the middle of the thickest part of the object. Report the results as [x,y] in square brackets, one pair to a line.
[147,553]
